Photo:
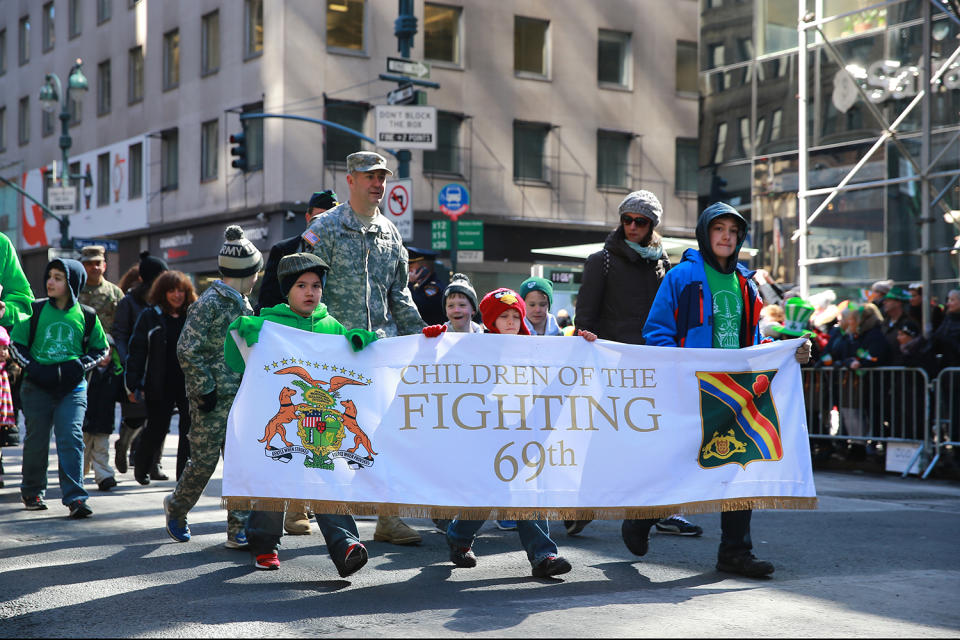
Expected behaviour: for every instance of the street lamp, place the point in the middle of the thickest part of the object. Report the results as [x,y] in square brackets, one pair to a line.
[50,94]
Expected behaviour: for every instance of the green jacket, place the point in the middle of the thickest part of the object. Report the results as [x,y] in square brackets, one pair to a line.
[248,328]
[16,290]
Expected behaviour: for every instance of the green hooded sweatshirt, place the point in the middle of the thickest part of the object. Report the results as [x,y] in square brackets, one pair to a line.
[248,327]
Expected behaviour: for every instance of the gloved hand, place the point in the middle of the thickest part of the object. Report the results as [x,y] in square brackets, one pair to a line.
[803,352]
[71,374]
[208,402]
[434,330]
[45,376]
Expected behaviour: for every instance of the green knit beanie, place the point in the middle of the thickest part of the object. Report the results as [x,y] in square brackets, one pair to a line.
[533,283]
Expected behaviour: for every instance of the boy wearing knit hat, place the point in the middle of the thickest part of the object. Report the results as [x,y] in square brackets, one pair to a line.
[460,305]
[301,277]
[211,385]
[503,311]
[538,297]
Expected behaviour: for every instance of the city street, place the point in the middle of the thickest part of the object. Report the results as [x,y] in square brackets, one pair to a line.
[879,559]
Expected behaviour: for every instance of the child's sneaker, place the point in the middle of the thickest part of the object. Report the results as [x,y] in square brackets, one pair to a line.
[507,525]
[79,509]
[551,566]
[178,529]
[353,560]
[678,526]
[463,557]
[267,561]
[238,541]
[35,503]
[107,483]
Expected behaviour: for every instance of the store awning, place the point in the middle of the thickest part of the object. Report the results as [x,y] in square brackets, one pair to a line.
[673,246]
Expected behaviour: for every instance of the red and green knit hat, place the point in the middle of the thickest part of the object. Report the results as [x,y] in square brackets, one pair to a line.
[498,301]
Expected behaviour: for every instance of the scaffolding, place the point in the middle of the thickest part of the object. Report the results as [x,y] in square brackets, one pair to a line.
[924,167]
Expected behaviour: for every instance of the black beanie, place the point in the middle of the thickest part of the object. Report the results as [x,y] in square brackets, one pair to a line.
[150,268]
[295,265]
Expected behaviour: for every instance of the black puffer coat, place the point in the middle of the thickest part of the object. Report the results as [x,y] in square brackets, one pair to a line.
[617,290]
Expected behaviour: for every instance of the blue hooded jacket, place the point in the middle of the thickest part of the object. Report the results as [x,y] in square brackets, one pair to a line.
[682,311]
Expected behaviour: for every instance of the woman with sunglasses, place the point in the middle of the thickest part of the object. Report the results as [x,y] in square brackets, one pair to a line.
[619,284]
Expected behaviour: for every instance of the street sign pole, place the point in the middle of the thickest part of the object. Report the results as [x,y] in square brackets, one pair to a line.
[453,245]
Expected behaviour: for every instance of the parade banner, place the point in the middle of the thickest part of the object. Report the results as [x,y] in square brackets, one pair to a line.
[484,425]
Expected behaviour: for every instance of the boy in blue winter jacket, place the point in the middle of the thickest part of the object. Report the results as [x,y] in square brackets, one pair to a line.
[710,301]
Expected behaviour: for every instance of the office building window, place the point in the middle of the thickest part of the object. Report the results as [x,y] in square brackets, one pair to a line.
[135,75]
[3,51]
[75,107]
[345,24]
[529,150]
[104,10]
[210,43]
[171,59]
[685,165]
[613,159]
[47,119]
[3,128]
[209,147]
[103,179]
[720,143]
[776,120]
[135,168]
[441,32]
[253,28]
[613,58]
[339,145]
[717,54]
[49,37]
[745,148]
[76,18]
[686,66]
[446,159]
[104,88]
[253,130]
[761,125]
[24,40]
[169,159]
[23,121]
[530,42]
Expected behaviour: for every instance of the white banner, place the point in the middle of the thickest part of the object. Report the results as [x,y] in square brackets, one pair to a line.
[514,425]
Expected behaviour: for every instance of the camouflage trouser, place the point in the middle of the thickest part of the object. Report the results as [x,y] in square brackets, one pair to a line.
[207,434]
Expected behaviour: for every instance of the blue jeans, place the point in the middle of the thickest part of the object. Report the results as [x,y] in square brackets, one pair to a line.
[265,528]
[44,411]
[534,536]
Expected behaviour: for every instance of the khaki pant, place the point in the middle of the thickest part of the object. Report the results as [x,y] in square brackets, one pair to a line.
[96,454]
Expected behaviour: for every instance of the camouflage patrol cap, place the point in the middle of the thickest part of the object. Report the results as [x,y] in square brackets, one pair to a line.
[366,161]
[92,253]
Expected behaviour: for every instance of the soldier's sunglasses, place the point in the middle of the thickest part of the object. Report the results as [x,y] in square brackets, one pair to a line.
[627,220]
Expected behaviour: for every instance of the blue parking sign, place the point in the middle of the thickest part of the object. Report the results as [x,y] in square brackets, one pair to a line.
[454,200]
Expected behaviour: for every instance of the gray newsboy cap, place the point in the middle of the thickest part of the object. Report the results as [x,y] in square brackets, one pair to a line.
[644,203]
[292,266]
[367,161]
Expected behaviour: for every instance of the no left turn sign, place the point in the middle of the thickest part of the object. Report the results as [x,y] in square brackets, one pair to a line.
[399,203]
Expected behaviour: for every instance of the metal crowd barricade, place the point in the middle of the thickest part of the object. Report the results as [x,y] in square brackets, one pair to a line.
[946,428]
[889,404]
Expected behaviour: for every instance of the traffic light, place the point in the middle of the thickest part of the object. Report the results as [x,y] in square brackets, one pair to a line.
[239,149]
[718,191]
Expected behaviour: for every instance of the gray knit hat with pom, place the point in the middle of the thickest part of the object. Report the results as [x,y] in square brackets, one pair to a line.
[460,283]
[238,257]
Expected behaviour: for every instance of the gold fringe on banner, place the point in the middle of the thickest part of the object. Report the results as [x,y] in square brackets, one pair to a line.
[514,513]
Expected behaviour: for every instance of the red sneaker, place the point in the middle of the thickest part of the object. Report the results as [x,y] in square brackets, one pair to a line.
[267,561]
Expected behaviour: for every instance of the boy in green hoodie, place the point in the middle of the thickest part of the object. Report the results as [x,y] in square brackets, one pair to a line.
[301,277]
[56,350]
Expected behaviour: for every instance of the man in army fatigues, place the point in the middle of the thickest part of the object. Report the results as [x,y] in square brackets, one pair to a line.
[99,293]
[366,286]
[211,385]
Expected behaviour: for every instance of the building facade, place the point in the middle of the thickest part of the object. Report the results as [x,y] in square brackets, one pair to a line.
[549,112]
[749,144]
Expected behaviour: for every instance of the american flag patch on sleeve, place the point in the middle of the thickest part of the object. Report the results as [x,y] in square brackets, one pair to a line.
[310,237]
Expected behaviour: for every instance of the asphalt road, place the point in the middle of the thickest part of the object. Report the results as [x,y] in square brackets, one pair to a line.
[879,558]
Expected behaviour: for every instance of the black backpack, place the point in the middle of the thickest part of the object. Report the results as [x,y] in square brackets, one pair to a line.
[89,320]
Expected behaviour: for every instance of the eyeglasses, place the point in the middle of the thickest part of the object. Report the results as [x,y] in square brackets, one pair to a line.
[627,220]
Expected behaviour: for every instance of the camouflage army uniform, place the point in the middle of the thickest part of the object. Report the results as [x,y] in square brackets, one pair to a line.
[200,351]
[104,298]
[366,287]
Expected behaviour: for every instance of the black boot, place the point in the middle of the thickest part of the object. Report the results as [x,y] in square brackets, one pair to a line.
[127,434]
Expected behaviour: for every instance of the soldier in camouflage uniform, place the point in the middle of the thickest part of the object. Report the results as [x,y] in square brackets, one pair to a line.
[211,385]
[99,293]
[366,287]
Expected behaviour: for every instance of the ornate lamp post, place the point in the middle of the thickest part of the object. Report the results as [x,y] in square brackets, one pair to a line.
[50,96]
